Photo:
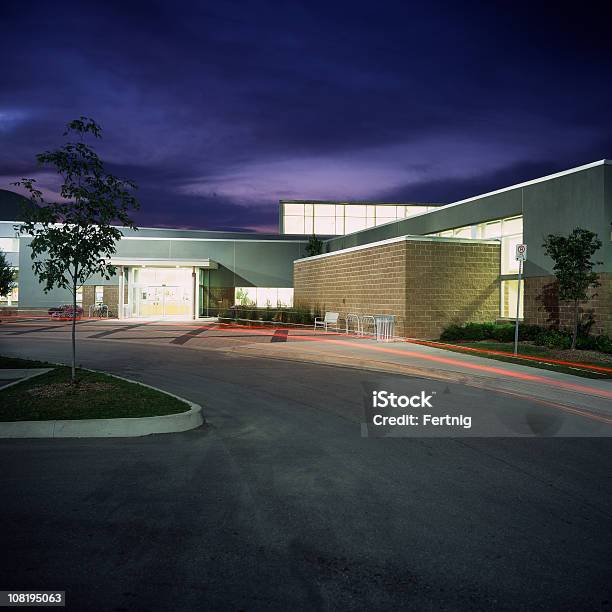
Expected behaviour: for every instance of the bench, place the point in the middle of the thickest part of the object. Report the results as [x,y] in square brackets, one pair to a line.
[330,320]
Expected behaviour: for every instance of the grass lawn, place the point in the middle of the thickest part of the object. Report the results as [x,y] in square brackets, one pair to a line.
[534,351]
[50,396]
[14,362]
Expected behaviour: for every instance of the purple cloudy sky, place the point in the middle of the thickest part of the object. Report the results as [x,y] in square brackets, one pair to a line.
[219,109]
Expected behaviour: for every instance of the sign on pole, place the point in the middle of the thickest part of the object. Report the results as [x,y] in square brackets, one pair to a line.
[520,256]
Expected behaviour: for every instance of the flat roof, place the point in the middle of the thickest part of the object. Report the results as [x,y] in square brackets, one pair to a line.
[361,202]
[406,238]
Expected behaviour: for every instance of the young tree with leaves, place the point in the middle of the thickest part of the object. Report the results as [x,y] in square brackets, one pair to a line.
[314,246]
[573,268]
[74,238]
[7,276]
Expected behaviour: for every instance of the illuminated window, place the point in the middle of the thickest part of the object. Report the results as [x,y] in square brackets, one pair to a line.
[294,209]
[264,297]
[324,210]
[509,290]
[355,210]
[415,210]
[463,232]
[509,265]
[388,213]
[9,245]
[353,224]
[324,225]
[492,230]
[293,225]
[512,226]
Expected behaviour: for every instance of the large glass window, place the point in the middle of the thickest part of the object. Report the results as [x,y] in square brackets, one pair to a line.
[509,294]
[463,232]
[324,225]
[512,226]
[354,224]
[509,265]
[293,225]
[264,297]
[415,210]
[9,245]
[338,219]
[384,214]
[12,299]
[355,210]
[324,210]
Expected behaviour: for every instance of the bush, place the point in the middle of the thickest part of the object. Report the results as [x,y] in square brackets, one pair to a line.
[299,314]
[504,332]
[601,343]
[553,338]
[604,344]
[452,333]
[528,332]
[542,336]
[473,332]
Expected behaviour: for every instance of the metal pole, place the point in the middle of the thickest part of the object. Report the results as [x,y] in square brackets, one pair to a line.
[518,304]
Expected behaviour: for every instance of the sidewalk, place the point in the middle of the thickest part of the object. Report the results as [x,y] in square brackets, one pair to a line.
[11,376]
[429,362]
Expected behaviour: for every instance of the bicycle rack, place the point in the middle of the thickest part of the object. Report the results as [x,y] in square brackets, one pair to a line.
[356,323]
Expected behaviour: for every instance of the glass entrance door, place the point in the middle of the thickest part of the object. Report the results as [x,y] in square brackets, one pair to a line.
[160,293]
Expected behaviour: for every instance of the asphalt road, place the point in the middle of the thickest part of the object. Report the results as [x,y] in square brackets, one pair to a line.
[280,503]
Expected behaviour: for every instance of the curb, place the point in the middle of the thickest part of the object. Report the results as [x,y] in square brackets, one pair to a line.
[125,427]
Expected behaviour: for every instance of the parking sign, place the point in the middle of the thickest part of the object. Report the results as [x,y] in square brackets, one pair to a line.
[521,252]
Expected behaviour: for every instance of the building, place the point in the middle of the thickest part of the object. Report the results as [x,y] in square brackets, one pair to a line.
[428,264]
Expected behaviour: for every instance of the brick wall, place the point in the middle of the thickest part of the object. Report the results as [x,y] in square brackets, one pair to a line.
[366,281]
[89,298]
[450,282]
[542,305]
[426,284]
[110,296]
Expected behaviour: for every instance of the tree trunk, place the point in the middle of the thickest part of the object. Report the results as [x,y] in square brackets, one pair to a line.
[74,305]
[575,334]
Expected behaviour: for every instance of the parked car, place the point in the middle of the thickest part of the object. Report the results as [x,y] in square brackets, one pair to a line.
[65,312]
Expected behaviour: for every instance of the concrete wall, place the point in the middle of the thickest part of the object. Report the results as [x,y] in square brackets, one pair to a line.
[244,260]
[426,283]
[558,206]
[256,261]
[581,198]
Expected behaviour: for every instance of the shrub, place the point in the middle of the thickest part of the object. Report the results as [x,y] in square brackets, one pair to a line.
[601,343]
[604,344]
[452,333]
[504,332]
[553,338]
[528,332]
[542,336]
[473,332]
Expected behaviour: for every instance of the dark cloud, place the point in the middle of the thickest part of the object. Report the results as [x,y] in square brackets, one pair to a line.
[218,110]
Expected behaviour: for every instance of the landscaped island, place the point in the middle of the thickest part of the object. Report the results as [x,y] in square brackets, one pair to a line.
[51,396]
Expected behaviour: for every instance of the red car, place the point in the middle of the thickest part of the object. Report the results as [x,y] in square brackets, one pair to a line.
[65,312]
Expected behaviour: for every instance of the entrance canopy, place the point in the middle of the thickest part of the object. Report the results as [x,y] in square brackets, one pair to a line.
[164,263]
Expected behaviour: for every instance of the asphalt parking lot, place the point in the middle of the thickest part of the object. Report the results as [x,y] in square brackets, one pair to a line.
[281,501]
